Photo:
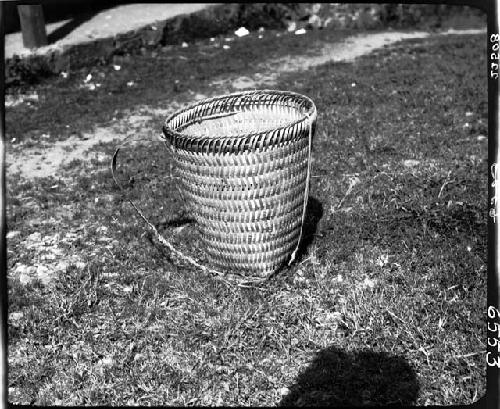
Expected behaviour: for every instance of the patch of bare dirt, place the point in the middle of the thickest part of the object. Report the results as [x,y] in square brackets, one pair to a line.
[345,51]
[143,121]
[48,160]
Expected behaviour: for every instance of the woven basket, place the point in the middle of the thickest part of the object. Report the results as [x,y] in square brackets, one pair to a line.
[243,165]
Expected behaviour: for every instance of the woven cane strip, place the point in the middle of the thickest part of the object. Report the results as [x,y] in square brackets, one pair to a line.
[269,225]
[240,181]
[280,209]
[232,258]
[277,225]
[257,242]
[248,219]
[263,153]
[243,199]
[254,188]
[215,216]
[260,263]
[263,269]
[244,187]
[247,224]
[253,261]
[242,165]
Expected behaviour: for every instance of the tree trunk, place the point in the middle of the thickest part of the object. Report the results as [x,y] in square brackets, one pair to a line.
[32,25]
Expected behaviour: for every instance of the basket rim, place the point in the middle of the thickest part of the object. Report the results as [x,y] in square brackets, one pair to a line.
[172,135]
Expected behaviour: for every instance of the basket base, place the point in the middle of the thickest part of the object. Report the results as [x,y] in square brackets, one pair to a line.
[256,264]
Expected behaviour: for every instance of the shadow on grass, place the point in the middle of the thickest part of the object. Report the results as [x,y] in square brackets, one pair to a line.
[338,378]
[68,27]
[77,11]
[181,220]
[314,213]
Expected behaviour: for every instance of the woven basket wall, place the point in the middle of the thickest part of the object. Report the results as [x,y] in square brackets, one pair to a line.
[242,161]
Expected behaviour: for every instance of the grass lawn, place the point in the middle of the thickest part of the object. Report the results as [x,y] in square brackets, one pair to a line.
[385,304]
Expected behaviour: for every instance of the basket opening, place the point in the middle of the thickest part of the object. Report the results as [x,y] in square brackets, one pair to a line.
[239,115]
[255,119]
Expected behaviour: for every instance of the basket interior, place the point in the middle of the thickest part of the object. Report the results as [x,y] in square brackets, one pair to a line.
[257,119]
